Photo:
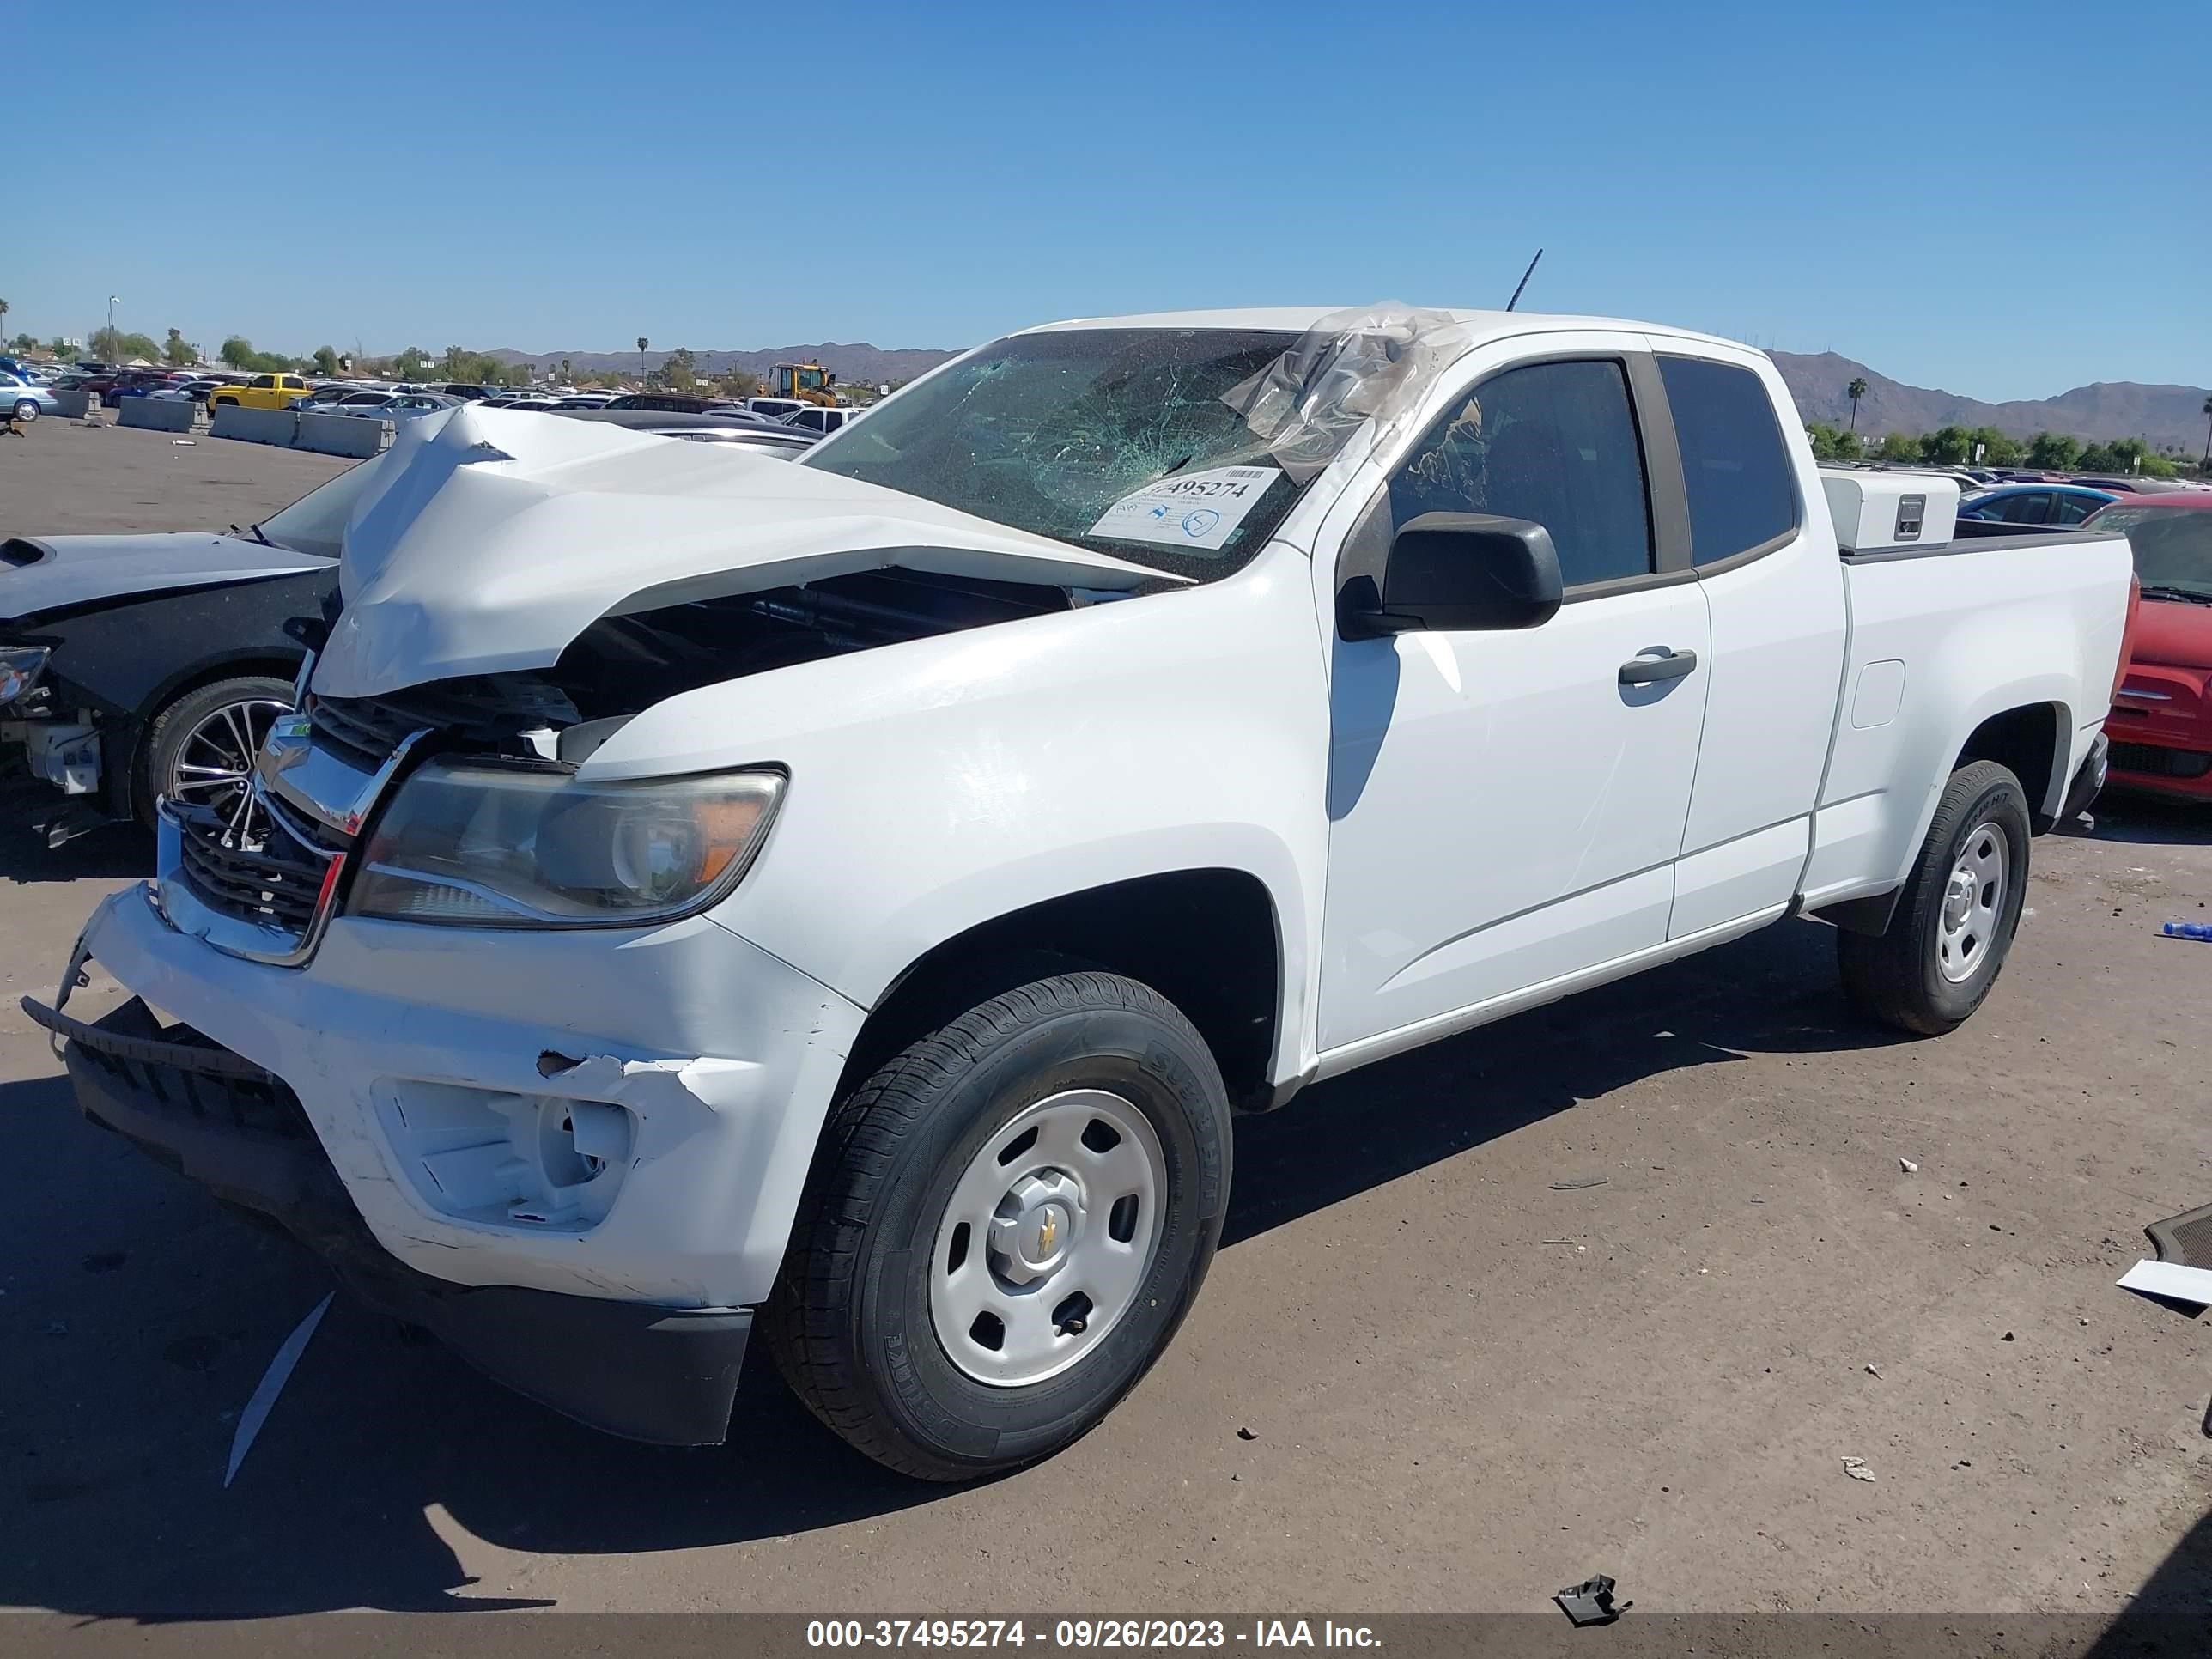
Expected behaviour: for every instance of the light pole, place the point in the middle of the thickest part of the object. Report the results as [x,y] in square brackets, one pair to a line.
[111,322]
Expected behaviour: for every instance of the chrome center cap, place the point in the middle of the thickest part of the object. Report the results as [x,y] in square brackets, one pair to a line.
[1959,898]
[1035,1226]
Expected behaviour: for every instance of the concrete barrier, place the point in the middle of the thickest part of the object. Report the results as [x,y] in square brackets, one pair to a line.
[156,414]
[73,405]
[342,434]
[257,425]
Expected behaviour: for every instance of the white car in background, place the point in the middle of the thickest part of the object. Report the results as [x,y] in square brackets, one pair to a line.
[824,421]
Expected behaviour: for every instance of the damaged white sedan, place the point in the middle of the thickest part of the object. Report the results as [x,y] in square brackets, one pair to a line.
[851,897]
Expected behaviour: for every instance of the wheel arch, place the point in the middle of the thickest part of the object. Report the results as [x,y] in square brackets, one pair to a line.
[2032,740]
[1208,939]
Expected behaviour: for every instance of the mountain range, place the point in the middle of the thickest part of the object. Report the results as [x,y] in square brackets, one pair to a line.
[2170,417]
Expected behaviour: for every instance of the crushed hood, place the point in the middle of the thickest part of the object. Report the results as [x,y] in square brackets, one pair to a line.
[57,573]
[492,538]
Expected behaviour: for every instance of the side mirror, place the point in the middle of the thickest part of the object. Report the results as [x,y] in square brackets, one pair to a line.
[1456,571]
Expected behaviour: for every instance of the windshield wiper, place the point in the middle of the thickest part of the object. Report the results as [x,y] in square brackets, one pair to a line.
[2187,595]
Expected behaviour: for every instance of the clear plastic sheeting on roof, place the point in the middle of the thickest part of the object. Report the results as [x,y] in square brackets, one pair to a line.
[1368,363]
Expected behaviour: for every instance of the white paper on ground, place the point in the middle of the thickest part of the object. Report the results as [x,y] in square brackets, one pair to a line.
[271,1384]
[1190,509]
[2169,1279]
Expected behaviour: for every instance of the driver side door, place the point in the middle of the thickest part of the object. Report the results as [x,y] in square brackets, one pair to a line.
[1506,808]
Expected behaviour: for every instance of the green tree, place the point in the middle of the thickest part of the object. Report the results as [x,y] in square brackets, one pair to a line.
[325,360]
[2204,465]
[738,383]
[411,364]
[1830,442]
[1855,390]
[114,345]
[1899,446]
[238,352]
[1947,445]
[24,342]
[678,372]
[644,345]
[2054,452]
[1997,449]
[176,352]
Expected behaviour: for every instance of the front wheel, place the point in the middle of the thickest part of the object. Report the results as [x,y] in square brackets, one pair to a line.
[1005,1225]
[1946,939]
[201,748]
[25,410]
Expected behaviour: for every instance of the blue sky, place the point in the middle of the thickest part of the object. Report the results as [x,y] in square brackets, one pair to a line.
[1940,192]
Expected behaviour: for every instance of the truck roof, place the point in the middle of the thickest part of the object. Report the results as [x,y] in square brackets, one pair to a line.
[1481,325]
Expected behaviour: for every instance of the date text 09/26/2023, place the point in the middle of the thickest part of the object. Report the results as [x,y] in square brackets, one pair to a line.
[1087,1633]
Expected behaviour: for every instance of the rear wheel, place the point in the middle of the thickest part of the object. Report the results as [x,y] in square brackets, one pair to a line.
[1005,1225]
[201,748]
[1953,923]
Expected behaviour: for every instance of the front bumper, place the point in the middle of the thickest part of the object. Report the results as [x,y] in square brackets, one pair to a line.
[624,1115]
[2161,732]
[663,1375]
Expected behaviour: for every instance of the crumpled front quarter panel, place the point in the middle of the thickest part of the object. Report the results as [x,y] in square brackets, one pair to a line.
[943,782]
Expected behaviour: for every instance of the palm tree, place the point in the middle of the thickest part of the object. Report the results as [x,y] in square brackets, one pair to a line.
[1855,390]
[644,345]
[2204,465]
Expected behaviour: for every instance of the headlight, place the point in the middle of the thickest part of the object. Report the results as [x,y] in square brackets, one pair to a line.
[19,668]
[482,844]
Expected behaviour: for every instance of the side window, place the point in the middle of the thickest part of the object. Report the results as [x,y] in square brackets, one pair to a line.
[1738,473]
[2029,506]
[1552,443]
[2072,509]
[263,380]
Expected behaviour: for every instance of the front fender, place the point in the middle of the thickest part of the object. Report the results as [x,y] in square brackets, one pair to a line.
[941,783]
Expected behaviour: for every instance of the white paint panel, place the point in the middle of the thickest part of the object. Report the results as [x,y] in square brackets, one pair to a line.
[1738,877]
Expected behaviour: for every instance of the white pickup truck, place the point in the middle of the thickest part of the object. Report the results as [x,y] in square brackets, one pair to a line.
[853,896]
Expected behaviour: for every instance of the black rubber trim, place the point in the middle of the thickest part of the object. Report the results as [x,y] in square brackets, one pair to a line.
[666,1375]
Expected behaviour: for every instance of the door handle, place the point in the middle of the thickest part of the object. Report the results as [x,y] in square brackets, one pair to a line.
[1646,670]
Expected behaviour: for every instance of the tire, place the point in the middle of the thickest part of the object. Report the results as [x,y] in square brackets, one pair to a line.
[25,410]
[864,1320]
[175,736]
[1953,924]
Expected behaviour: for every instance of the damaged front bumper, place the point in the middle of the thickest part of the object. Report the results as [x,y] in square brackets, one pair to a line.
[662,1375]
[466,1150]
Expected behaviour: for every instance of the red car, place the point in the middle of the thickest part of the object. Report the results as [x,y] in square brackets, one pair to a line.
[2161,725]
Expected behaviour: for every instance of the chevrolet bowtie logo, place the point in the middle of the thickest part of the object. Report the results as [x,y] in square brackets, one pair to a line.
[1047,1232]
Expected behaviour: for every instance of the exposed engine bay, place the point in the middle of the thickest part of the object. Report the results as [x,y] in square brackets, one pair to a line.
[622,664]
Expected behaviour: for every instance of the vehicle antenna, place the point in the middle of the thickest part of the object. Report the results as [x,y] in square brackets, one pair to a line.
[1523,283]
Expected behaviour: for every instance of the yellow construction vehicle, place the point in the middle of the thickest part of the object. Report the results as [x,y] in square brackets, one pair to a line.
[810,383]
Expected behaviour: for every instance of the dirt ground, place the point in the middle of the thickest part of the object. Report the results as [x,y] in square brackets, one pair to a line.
[1421,1377]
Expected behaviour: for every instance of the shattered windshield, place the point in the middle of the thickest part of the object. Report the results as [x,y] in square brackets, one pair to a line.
[1124,441]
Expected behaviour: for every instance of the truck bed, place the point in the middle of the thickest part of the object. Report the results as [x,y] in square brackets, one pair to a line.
[2022,623]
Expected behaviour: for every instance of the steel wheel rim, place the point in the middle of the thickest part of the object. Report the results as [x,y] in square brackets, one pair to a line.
[1974,901]
[1047,1237]
[26,410]
[214,765]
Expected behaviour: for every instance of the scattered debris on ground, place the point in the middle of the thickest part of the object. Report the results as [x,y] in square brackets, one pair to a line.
[1855,1467]
[271,1384]
[1576,1184]
[1591,1602]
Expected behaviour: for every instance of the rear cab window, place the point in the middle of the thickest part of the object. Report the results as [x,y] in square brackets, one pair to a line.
[1742,489]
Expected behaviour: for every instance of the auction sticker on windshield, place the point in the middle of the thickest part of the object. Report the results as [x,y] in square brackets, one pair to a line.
[1191,509]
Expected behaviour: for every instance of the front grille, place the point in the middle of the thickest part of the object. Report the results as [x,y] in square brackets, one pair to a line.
[2155,761]
[486,712]
[268,877]
[360,731]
